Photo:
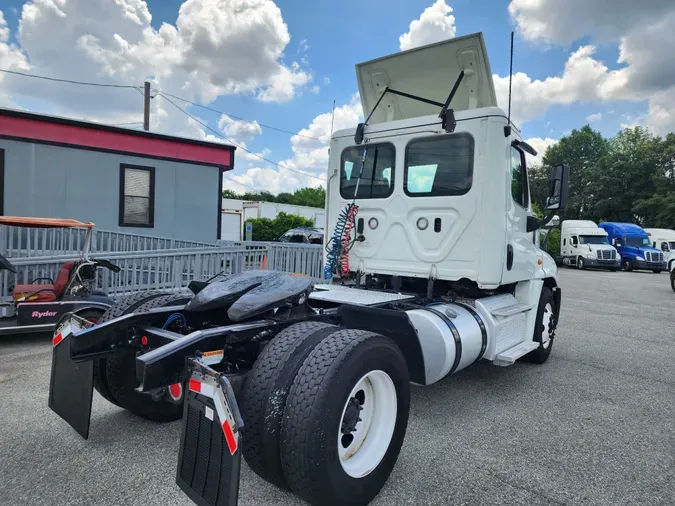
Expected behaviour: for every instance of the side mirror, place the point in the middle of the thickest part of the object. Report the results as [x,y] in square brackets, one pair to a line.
[558,187]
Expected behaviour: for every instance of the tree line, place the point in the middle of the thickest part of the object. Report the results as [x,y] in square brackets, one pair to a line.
[310,197]
[629,177]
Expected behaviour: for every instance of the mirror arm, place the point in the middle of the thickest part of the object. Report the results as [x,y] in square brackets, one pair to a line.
[534,223]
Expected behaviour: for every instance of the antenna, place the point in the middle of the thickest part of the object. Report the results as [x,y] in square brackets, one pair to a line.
[332,120]
[507,128]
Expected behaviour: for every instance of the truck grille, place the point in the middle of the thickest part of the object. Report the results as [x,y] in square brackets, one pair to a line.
[606,254]
[654,257]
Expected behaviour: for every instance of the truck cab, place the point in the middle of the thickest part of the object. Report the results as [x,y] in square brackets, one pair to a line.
[634,246]
[438,198]
[664,239]
[584,244]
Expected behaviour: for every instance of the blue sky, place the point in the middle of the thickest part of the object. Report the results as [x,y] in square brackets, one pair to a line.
[325,40]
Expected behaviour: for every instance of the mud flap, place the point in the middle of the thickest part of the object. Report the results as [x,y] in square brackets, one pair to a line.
[71,385]
[209,460]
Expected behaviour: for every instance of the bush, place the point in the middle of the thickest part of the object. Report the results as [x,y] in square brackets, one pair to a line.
[265,229]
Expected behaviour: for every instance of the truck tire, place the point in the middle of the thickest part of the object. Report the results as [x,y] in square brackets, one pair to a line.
[581,264]
[345,419]
[265,395]
[656,271]
[544,327]
[121,376]
[627,264]
[126,305]
[672,279]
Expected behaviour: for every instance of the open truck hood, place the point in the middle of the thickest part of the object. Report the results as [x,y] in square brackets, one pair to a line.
[429,72]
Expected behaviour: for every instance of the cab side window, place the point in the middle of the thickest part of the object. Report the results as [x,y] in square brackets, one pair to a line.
[519,178]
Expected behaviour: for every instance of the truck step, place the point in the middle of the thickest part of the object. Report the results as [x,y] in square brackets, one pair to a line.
[511,309]
[509,356]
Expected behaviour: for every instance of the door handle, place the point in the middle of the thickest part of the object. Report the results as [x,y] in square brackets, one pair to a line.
[509,257]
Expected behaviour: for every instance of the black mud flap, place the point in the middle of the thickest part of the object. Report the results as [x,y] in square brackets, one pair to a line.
[209,461]
[71,385]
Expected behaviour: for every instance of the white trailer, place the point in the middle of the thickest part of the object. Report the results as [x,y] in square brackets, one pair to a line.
[272,209]
[585,245]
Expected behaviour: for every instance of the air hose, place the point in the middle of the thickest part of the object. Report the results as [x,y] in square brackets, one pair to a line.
[337,248]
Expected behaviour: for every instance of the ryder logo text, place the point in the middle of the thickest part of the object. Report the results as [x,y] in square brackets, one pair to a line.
[43,314]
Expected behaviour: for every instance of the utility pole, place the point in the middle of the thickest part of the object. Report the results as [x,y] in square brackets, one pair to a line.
[146,107]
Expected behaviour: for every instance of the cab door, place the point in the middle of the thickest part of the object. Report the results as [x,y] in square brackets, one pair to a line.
[521,254]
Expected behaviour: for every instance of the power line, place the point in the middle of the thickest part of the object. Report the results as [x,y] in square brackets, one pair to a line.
[242,184]
[237,117]
[161,94]
[69,81]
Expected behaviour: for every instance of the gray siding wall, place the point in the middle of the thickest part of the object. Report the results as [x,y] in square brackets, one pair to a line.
[60,182]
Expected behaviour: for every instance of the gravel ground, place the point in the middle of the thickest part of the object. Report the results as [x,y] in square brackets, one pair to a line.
[594,425]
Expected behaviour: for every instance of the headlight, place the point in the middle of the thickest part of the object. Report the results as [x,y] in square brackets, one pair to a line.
[590,256]
[639,258]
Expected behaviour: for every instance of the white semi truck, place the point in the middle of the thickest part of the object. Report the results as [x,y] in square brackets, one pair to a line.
[663,239]
[585,245]
[431,266]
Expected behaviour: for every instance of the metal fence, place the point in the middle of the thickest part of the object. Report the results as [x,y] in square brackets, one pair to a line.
[21,242]
[288,257]
[147,270]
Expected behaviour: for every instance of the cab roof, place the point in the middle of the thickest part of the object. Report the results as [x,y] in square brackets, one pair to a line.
[624,228]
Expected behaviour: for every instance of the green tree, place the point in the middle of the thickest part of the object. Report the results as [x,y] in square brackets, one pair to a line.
[312,197]
[629,173]
[581,150]
[265,229]
[231,194]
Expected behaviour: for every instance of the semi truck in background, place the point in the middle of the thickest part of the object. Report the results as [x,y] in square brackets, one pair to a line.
[664,239]
[585,245]
[635,247]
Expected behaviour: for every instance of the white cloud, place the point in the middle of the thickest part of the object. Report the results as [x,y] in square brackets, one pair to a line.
[434,25]
[239,129]
[310,154]
[540,145]
[646,41]
[565,22]
[326,81]
[315,89]
[596,116]
[583,79]
[205,54]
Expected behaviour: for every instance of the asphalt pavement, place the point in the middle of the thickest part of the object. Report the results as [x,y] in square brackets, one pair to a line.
[595,425]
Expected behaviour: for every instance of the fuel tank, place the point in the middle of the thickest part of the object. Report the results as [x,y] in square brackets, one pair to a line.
[452,337]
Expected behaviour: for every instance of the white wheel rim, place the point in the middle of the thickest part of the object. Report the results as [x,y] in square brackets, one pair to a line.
[363,444]
[546,323]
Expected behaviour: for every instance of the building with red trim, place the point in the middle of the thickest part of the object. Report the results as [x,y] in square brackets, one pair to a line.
[121,179]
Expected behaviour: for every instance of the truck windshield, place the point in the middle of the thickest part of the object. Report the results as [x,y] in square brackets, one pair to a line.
[593,239]
[638,241]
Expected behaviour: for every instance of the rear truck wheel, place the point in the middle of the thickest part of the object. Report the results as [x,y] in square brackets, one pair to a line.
[656,271]
[266,391]
[126,305]
[672,279]
[544,328]
[627,264]
[121,376]
[580,263]
[345,419]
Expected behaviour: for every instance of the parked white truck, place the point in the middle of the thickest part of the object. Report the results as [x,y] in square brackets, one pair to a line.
[585,245]
[663,239]
[432,267]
